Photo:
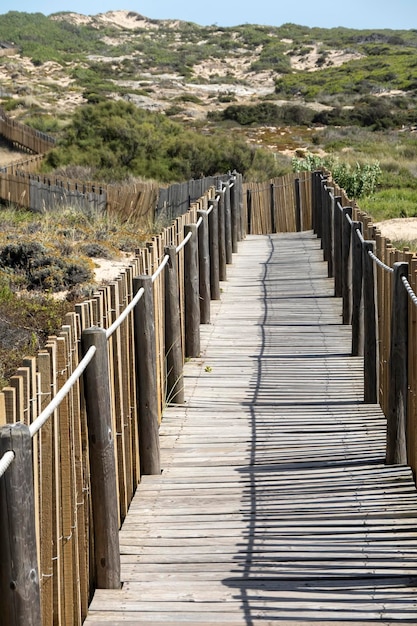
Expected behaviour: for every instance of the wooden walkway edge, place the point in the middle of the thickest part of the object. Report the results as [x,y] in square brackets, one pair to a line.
[274,505]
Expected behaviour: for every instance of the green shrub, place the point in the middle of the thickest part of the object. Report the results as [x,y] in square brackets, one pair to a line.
[357,181]
[119,140]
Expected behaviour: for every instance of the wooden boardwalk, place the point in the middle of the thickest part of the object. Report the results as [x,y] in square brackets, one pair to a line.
[274,505]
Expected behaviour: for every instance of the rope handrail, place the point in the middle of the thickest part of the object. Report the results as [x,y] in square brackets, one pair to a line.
[183,243]
[199,222]
[360,236]
[410,291]
[65,389]
[5,461]
[381,264]
[160,268]
[125,313]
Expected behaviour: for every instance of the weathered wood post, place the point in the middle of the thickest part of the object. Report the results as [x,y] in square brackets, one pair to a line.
[337,246]
[398,371]
[298,216]
[242,223]
[249,210]
[273,220]
[103,474]
[370,353]
[315,202]
[347,264]
[330,206]
[234,208]
[174,356]
[228,224]
[19,574]
[213,222]
[222,234]
[191,293]
[357,301]
[146,377]
[204,267]
[323,216]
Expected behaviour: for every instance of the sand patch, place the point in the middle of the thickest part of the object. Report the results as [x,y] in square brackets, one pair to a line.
[399,228]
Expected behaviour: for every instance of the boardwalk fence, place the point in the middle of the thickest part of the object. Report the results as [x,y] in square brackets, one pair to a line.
[80,420]
[120,355]
[24,137]
[281,205]
[377,284]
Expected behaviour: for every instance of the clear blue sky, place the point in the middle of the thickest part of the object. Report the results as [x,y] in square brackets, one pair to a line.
[396,14]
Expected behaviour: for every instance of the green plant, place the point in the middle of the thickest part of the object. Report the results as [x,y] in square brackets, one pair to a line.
[358,180]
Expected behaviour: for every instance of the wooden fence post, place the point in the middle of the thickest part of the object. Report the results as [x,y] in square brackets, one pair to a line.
[249,210]
[398,371]
[323,218]
[337,245]
[298,215]
[222,235]
[273,220]
[370,353]
[103,476]
[357,301]
[329,216]
[192,294]
[174,358]
[146,377]
[204,267]
[242,222]
[346,264]
[323,215]
[213,222]
[315,202]
[234,209]
[19,573]
[228,224]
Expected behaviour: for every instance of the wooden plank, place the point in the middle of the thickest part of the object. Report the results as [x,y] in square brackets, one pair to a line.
[274,504]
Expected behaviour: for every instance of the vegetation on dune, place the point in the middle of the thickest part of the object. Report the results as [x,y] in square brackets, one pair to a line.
[360,115]
[119,140]
[46,264]
[358,180]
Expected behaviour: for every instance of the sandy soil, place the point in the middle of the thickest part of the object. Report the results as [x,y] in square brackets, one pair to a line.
[108,269]
[399,228]
[334,58]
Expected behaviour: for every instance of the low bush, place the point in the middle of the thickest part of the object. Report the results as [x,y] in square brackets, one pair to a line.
[358,180]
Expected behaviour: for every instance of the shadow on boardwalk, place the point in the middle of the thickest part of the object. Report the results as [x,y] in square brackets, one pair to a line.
[274,505]
[330,530]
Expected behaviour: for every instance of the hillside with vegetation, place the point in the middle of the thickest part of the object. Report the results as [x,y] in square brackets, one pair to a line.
[285,89]
[132,98]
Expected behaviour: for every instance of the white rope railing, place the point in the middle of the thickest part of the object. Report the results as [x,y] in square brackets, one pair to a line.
[5,461]
[160,268]
[183,243]
[199,222]
[409,289]
[381,264]
[65,389]
[125,313]
[360,236]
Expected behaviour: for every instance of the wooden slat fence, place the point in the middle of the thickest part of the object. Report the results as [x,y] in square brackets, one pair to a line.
[384,331]
[66,529]
[280,205]
[24,136]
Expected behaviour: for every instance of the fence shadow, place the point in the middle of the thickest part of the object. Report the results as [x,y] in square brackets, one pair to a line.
[318,544]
